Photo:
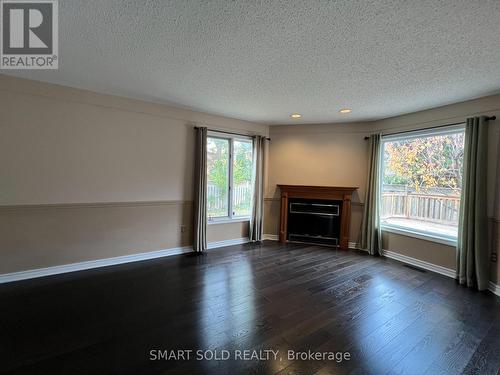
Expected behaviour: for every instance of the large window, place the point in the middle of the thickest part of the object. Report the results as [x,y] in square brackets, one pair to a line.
[229,171]
[421,182]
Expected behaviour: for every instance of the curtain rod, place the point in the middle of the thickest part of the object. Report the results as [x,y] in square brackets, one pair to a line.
[221,131]
[492,118]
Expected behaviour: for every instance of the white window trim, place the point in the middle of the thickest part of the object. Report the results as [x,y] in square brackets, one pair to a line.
[427,236]
[231,218]
[226,220]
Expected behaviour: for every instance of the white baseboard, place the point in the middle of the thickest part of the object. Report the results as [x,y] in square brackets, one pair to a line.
[65,268]
[55,270]
[270,237]
[419,263]
[352,245]
[494,288]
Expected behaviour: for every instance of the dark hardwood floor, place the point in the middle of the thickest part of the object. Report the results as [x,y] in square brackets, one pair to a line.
[388,317]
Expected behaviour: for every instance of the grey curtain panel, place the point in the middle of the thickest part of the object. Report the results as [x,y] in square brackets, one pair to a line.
[256,223]
[371,237]
[472,244]
[200,191]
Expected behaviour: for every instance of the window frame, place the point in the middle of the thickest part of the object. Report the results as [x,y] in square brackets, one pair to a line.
[412,134]
[231,218]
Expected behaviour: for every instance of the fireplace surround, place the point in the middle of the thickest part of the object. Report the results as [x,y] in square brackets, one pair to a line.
[316,214]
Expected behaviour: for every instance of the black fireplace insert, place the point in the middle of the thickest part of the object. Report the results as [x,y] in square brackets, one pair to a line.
[314,221]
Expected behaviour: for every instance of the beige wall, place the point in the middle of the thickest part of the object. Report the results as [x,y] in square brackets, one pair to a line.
[336,154]
[432,252]
[43,236]
[219,232]
[87,176]
[325,154]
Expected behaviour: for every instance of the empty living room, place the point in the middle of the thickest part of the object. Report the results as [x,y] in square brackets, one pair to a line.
[249,187]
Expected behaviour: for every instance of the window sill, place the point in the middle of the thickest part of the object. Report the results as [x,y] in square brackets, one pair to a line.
[419,235]
[226,220]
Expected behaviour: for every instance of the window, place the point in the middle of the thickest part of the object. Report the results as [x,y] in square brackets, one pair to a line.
[229,172]
[421,182]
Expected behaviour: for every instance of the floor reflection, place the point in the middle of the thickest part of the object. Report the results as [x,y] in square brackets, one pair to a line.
[227,312]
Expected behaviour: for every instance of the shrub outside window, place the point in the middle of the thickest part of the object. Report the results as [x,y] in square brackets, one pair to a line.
[421,182]
[229,177]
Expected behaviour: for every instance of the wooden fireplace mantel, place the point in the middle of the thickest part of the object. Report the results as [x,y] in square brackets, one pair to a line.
[343,193]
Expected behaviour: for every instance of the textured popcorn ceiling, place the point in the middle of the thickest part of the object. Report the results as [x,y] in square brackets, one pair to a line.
[262,60]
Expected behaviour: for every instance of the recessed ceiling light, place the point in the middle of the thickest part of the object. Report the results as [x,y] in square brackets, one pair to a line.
[345,110]
[295,115]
